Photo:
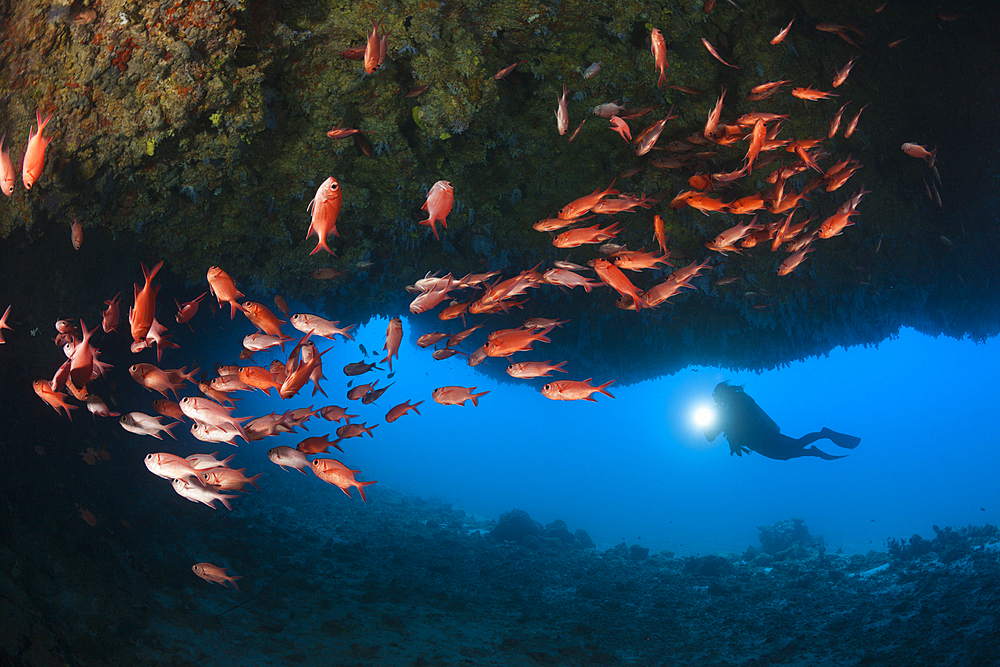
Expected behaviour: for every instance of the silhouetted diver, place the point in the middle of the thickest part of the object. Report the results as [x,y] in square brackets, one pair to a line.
[748,428]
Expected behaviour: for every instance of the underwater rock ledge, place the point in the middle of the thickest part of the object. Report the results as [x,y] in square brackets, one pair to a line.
[195,133]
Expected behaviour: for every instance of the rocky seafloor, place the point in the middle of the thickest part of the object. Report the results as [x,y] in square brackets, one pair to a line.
[400,580]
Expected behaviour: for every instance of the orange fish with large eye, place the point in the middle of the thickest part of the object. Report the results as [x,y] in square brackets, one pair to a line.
[325,207]
[262,318]
[575,390]
[34,155]
[393,337]
[375,48]
[440,199]
[658,46]
[140,316]
[334,472]
[224,289]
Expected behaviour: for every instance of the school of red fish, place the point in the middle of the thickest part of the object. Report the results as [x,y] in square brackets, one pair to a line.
[202,478]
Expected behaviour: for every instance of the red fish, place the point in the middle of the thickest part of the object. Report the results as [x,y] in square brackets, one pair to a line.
[334,472]
[76,234]
[440,199]
[843,72]
[715,54]
[325,208]
[341,132]
[777,39]
[574,390]
[393,336]
[34,155]
[6,169]
[214,574]
[853,124]
[658,47]
[612,276]
[222,287]
[534,369]
[508,69]
[578,237]
[53,398]
[921,152]
[398,411]
[453,395]
[110,315]
[793,261]
[187,310]
[562,113]
[375,48]
[810,95]
[140,317]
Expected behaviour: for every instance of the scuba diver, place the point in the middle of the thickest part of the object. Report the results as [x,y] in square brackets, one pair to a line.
[748,428]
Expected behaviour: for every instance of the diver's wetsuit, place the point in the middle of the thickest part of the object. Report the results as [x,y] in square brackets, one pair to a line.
[748,428]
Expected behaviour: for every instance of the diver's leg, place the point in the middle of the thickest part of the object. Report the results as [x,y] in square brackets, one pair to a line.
[840,439]
[808,439]
[812,451]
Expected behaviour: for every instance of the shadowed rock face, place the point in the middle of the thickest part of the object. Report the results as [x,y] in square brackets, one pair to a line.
[197,135]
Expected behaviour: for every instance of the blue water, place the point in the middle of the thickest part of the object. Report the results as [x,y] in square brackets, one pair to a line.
[636,468]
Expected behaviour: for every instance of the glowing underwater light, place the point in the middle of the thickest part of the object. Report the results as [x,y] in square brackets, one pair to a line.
[703,416]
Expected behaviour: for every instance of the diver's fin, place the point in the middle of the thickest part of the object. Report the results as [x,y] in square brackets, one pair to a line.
[840,439]
[813,451]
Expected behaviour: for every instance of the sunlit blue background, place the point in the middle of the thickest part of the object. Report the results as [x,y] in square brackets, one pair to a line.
[637,469]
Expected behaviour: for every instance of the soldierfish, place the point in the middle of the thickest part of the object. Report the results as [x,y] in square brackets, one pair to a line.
[562,113]
[336,473]
[140,316]
[399,410]
[574,390]
[110,315]
[76,234]
[221,285]
[534,369]
[200,494]
[393,336]
[287,456]
[440,199]
[214,574]
[658,47]
[34,155]
[6,169]
[53,398]
[453,395]
[375,48]
[325,207]
[321,327]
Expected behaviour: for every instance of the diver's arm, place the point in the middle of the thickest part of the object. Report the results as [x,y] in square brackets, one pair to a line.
[711,432]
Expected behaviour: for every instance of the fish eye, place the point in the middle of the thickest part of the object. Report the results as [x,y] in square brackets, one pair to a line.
[546,387]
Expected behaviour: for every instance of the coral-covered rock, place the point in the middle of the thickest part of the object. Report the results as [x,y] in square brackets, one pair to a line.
[515,526]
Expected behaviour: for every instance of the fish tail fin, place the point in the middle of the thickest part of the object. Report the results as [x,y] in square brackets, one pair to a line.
[414,407]
[232,580]
[663,78]
[361,488]
[603,388]
[559,367]
[149,275]
[225,501]
[321,245]
[370,429]
[167,427]
[253,480]
[475,397]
